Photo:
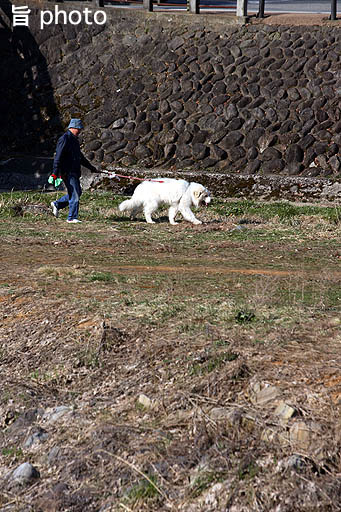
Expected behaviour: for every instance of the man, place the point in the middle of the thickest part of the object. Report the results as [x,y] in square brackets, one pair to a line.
[67,164]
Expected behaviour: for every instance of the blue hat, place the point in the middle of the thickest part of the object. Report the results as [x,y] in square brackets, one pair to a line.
[76,123]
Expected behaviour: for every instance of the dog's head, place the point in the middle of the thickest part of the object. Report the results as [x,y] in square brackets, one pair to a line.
[200,195]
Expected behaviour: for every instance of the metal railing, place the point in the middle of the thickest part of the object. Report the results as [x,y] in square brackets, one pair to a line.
[194,6]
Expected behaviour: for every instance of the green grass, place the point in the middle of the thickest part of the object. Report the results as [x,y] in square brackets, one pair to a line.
[269,239]
[95,206]
[13,453]
[106,277]
[205,480]
[213,362]
[248,471]
[144,490]
[245,316]
[284,210]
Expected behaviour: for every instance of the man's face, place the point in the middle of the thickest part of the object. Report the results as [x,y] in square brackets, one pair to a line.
[75,131]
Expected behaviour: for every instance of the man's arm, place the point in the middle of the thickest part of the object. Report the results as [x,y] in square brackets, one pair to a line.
[58,156]
[85,162]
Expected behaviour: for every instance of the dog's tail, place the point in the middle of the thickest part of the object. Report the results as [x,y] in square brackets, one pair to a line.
[131,206]
[126,206]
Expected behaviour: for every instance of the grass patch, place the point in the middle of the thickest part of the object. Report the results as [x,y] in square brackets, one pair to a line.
[105,277]
[212,363]
[205,480]
[101,206]
[144,491]
[248,471]
[282,210]
[12,453]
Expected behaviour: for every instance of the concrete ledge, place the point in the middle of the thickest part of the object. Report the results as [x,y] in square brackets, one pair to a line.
[292,188]
[32,174]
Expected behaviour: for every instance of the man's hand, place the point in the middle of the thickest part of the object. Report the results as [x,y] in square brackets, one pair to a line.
[111,175]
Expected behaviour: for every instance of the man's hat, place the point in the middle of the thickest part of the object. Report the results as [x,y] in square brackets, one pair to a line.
[76,123]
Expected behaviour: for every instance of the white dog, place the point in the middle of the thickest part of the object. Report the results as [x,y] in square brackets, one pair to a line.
[179,195]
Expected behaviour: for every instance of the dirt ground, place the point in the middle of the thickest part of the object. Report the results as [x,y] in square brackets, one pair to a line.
[187,368]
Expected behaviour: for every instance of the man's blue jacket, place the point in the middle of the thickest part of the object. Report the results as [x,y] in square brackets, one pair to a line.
[69,158]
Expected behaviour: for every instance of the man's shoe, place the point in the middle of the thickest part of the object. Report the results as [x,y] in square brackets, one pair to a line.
[55,210]
[74,221]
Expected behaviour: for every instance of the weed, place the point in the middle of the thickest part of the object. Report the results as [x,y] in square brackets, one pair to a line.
[244,316]
[35,375]
[186,327]
[44,377]
[212,363]
[143,490]
[221,343]
[140,407]
[248,471]
[101,276]
[12,452]
[205,480]
[258,342]
[89,359]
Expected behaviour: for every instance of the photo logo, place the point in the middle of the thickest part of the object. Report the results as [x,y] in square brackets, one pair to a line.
[59,16]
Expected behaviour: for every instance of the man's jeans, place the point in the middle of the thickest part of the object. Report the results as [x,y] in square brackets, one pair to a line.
[71,199]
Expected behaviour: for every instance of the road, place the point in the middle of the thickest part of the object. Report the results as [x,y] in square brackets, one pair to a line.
[271,6]
[290,6]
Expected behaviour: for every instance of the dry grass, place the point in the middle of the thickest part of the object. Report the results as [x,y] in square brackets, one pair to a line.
[204,321]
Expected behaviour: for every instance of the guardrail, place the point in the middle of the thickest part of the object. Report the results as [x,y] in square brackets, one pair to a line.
[193,6]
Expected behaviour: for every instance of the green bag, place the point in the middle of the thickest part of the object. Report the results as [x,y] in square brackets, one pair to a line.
[55,180]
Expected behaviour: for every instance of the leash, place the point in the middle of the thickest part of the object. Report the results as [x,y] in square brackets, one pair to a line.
[57,180]
[111,175]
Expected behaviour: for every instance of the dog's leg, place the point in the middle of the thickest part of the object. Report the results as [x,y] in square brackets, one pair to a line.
[134,212]
[188,215]
[173,210]
[148,210]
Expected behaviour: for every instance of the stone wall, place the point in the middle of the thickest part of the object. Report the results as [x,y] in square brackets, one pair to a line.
[177,91]
[29,116]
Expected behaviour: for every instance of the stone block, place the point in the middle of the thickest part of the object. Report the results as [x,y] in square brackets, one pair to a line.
[284,411]
[300,435]
[24,474]
[231,140]
[263,395]
[144,401]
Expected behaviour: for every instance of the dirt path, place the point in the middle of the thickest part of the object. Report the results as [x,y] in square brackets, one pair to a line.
[218,270]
